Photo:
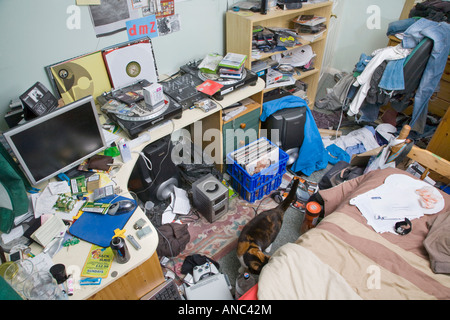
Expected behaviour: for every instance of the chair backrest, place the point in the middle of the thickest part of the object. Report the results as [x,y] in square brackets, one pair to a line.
[415,64]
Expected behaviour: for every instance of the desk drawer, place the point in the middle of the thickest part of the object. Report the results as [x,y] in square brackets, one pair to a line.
[241,131]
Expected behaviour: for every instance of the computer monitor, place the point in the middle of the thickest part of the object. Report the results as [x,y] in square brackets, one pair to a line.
[58,141]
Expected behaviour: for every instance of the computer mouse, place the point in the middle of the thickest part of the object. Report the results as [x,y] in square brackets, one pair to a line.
[121,207]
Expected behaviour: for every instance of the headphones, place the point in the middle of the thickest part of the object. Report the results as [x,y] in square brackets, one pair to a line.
[403,227]
[277,196]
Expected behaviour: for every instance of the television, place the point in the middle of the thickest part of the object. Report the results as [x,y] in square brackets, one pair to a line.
[58,141]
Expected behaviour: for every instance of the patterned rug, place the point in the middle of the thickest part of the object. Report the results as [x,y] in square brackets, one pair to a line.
[216,239]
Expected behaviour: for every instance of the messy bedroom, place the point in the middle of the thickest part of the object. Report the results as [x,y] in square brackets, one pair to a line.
[225,151]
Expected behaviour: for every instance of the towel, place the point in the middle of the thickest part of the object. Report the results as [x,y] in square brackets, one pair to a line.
[312,155]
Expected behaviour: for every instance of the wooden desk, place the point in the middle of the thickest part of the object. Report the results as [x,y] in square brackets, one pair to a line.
[143,272]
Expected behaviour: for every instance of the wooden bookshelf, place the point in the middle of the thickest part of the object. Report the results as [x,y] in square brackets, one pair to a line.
[239,33]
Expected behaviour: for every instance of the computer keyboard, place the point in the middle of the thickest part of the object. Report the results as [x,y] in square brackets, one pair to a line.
[168,290]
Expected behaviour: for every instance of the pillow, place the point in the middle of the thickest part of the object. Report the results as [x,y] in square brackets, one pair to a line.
[437,243]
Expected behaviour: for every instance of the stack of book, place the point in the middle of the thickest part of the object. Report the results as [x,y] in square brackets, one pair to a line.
[310,27]
[232,66]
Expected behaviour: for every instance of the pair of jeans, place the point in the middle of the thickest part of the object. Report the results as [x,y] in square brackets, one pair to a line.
[393,78]
[400,26]
[439,32]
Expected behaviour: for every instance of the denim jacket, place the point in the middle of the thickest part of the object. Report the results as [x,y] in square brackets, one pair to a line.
[439,32]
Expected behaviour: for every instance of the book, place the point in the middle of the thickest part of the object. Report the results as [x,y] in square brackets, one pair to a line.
[50,229]
[98,262]
[309,20]
[311,29]
[233,60]
[311,36]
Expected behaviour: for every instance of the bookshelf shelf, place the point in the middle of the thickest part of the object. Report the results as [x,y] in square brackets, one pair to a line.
[239,32]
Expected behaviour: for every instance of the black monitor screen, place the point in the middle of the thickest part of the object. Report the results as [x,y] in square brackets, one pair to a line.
[58,141]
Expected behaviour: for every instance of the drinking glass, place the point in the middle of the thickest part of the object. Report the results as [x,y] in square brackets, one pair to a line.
[42,286]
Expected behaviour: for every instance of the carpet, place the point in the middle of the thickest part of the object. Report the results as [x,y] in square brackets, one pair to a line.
[217,239]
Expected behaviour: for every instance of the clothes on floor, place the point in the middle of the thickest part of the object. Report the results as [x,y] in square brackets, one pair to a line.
[357,141]
[337,97]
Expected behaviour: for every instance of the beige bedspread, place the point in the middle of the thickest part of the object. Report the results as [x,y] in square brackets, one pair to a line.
[344,258]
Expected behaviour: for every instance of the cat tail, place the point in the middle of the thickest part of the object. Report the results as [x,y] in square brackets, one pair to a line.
[291,196]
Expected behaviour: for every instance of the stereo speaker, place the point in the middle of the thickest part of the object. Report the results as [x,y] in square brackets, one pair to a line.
[210,197]
[154,175]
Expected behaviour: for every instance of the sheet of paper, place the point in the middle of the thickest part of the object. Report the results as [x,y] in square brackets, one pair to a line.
[42,262]
[110,137]
[43,204]
[58,187]
[13,234]
[181,205]
[168,216]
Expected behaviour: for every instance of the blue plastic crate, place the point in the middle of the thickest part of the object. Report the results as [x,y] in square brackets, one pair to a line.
[256,194]
[251,182]
[254,187]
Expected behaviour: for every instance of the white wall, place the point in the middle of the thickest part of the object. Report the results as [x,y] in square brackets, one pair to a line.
[33,34]
[359,31]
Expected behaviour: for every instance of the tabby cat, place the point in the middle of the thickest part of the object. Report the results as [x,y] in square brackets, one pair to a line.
[259,233]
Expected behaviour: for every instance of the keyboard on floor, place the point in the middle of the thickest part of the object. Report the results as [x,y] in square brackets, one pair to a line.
[168,290]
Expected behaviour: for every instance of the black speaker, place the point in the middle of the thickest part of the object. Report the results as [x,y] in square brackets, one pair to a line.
[154,174]
[285,128]
[291,4]
[264,6]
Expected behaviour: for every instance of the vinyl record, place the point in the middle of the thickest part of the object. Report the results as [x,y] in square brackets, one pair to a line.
[130,63]
[80,77]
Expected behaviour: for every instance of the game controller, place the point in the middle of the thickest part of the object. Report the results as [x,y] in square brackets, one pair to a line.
[204,271]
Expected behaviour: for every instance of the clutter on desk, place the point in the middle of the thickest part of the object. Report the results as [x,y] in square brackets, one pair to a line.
[141,114]
[98,262]
[120,250]
[209,87]
[205,104]
[210,63]
[66,77]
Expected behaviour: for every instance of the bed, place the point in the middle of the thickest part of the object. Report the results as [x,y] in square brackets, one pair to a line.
[344,258]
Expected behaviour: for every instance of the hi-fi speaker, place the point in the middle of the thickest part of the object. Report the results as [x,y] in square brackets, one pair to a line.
[154,175]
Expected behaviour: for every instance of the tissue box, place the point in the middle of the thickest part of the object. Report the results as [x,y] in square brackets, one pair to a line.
[153,94]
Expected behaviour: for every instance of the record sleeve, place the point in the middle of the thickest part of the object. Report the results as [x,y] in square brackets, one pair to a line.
[131,62]
[79,77]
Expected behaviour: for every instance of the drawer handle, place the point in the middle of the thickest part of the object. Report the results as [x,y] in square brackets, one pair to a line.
[243,125]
